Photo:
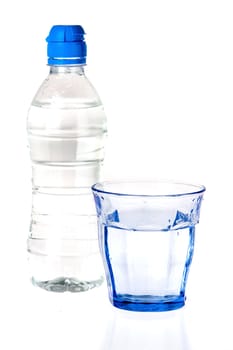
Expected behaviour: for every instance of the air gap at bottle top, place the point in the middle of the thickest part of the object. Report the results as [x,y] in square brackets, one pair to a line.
[66,128]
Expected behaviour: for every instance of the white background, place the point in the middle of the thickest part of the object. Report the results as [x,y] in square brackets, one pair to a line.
[164,72]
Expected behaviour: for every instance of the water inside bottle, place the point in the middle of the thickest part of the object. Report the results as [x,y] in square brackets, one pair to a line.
[66,161]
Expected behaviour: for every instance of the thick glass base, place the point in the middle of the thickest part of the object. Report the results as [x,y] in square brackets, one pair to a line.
[67,284]
[148,303]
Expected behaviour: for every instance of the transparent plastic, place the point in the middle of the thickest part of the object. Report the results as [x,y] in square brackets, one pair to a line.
[66,131]
[146,235]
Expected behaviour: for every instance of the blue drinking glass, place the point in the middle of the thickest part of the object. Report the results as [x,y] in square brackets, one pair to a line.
[146,237]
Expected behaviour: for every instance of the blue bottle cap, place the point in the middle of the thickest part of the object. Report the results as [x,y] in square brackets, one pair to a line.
[66,45]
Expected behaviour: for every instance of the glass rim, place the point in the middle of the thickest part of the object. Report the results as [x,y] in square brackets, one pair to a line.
[194,189]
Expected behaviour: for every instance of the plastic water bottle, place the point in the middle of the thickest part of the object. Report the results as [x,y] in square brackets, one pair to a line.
[66,131]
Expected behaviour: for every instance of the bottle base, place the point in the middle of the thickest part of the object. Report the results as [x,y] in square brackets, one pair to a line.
[67,284]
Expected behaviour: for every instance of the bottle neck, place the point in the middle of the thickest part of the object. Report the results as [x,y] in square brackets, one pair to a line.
[77,69]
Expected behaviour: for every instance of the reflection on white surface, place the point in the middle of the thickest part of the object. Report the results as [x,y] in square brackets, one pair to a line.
[32,318]
[147,331]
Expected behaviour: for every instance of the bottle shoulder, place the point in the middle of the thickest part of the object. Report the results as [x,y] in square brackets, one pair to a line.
[66,90]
